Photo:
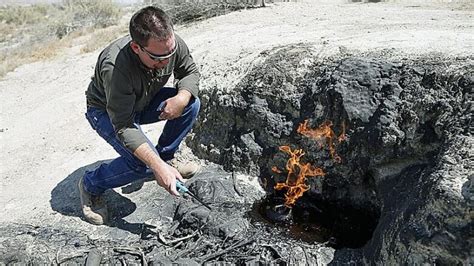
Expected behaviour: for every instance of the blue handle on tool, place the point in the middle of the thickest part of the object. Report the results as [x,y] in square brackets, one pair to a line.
[181,187]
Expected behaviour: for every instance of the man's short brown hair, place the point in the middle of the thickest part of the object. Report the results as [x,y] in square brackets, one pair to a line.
[150,22]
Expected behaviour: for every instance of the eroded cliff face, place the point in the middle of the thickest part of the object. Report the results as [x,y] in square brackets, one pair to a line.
[407,157]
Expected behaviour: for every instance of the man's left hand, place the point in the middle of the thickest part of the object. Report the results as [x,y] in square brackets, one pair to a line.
[175,105]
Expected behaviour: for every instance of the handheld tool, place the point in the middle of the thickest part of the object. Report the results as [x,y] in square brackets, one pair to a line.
[183,189]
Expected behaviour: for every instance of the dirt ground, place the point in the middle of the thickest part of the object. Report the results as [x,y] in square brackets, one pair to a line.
[45,138]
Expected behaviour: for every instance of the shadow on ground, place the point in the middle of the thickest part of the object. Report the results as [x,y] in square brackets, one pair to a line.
[65,200]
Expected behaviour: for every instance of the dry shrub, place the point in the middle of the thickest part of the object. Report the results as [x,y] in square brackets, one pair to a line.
[77,14]
[37,32]
[34,53]
[20,15]
[102,37]
[6,32]
[38,51]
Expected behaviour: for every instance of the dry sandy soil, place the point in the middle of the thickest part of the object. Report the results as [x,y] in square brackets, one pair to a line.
[45,138]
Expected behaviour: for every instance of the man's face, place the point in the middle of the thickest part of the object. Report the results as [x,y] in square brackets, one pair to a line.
[156,54]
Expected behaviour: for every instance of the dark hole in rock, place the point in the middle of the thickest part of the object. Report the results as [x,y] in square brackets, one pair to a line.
[337,225]
[429,134]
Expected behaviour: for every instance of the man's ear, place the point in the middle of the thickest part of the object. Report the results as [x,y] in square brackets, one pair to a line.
[135,47]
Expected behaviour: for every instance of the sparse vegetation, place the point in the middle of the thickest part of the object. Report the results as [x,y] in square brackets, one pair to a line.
[40,31]
[103,36]
[21,15]
[36,32]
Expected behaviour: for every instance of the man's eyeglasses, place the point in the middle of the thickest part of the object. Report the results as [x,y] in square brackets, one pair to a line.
[160,58]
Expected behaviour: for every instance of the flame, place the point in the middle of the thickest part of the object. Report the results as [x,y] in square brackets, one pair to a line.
[324,133]
[296,177]
[295,183]
[276,170]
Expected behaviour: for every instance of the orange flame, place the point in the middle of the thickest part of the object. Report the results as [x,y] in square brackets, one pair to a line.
[276,170]
[324,133]
[297,174]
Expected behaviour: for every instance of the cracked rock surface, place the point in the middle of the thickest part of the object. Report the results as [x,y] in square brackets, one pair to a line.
[408,153]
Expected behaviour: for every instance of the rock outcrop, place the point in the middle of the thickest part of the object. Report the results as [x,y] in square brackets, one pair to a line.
[408,153]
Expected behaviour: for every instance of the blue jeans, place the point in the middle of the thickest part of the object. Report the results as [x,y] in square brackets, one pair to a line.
[128,168]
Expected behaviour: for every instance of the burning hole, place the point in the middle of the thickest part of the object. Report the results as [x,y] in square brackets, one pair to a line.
[310,219]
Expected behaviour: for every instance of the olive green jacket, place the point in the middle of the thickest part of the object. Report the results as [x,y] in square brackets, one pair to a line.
[123,86]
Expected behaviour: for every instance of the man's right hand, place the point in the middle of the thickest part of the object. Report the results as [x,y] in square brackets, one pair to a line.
[165,174]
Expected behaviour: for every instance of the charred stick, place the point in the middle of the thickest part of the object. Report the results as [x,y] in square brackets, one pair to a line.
[177,244]
[225,239]
[171,250]
[193,249]
[278,261]
[239,244]
[59,261]
[243,257]
[132,251]
[171,242]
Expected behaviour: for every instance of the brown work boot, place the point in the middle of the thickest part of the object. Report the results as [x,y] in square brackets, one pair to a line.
[186,169]
[93,208]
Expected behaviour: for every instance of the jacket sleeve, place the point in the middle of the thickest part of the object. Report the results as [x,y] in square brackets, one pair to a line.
[186,73]
[120,106]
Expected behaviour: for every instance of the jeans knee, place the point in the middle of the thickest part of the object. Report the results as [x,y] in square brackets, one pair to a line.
[194,106]
[141,170]
[136,165]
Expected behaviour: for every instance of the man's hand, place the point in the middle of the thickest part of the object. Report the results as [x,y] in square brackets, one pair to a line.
[165,174]
[175,105]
